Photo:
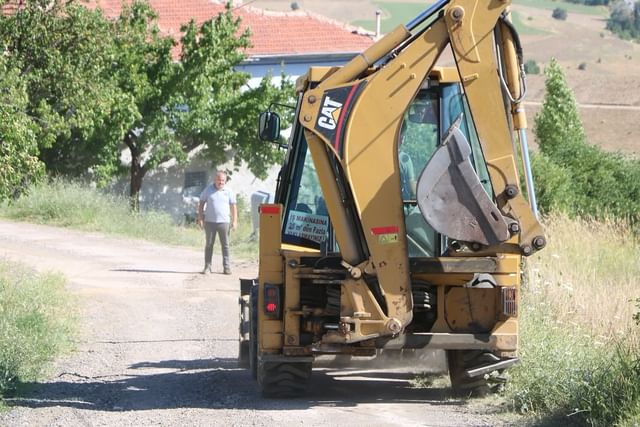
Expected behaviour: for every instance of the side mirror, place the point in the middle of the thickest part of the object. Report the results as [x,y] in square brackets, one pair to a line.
[269,126]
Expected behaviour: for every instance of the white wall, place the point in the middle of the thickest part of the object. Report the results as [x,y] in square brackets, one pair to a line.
[163,189]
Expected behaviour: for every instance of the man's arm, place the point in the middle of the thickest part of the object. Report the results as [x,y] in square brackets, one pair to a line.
[200,220]
[234,216]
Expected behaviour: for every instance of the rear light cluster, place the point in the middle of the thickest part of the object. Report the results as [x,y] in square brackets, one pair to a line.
[510,302]
[272,301]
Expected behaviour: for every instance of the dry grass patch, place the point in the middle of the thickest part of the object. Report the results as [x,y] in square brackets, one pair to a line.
[587,276]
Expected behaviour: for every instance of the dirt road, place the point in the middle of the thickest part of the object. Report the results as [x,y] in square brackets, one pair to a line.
[158,346]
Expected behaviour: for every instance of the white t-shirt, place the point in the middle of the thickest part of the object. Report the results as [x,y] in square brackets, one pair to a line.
[217,203]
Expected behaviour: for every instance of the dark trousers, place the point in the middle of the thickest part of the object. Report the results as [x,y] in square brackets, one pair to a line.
[222,230]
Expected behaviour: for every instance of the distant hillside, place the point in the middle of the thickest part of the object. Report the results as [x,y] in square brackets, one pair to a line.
[611,73]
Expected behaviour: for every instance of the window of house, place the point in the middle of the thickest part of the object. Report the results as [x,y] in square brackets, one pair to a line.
[194,183]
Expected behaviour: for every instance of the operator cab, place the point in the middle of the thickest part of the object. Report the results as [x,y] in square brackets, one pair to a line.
[438,105]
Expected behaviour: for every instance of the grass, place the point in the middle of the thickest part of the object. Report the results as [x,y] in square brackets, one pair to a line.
[396,13]
[37,323]
[580,345]
[569,7]
[69,204]
[393,14]
[579,331]
[522,28]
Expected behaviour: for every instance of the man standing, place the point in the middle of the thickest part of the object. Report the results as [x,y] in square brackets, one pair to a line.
[217,214]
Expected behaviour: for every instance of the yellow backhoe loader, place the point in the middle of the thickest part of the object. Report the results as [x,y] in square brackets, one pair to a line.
[399,219]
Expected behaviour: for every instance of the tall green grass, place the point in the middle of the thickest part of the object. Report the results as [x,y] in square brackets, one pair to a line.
[74,205]
[37,323]
[580,346]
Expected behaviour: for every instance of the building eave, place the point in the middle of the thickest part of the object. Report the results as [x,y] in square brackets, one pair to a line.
[298,58]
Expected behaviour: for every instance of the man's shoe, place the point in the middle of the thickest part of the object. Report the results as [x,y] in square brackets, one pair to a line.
[227,271]
[207,269]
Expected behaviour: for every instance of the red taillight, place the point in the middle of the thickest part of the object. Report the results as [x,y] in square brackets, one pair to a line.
[272,303]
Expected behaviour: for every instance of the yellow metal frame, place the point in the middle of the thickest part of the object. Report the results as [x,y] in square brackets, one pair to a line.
[370,163]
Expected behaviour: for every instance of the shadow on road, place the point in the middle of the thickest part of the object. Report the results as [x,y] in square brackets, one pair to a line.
[218,383]
[143,270]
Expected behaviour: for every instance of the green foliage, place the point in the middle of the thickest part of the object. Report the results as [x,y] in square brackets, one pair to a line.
[579,347]
[624,20]
[65,70]
[531,67]
[590,2]
[564,376]
[19,163]
[219,114]
[96,85]
[571,175]
[74,205]
[36,323]
[559,13]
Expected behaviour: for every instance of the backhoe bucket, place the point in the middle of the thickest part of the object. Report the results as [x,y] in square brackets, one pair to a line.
[452,199]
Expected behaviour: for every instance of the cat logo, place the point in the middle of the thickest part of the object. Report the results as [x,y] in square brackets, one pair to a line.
[329,114]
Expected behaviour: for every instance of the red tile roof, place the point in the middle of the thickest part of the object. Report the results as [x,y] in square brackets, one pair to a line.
[273,33]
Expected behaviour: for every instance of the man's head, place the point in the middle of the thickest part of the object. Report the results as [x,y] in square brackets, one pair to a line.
[220,179]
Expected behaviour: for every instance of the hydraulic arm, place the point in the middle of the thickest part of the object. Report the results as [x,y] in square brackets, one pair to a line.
[352,120]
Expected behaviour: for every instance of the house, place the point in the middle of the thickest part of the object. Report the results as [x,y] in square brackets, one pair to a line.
[283,42]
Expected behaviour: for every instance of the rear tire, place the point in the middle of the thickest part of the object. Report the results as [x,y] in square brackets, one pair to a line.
[245,327]
[283,379]
[461,360]
[243,354]
[253,332]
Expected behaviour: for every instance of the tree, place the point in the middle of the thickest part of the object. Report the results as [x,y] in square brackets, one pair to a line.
[531,67]
[170,108]
[624,20]
[61,51]
[19,164]
[101,85]
[572,175]
[557,127]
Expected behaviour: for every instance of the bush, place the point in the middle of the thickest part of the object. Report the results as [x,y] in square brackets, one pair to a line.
[36,323]
[624,20]
[531,67]
[559,13]
[573,176]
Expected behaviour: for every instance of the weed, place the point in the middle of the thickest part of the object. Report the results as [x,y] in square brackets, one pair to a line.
[36,323]
[579,338]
